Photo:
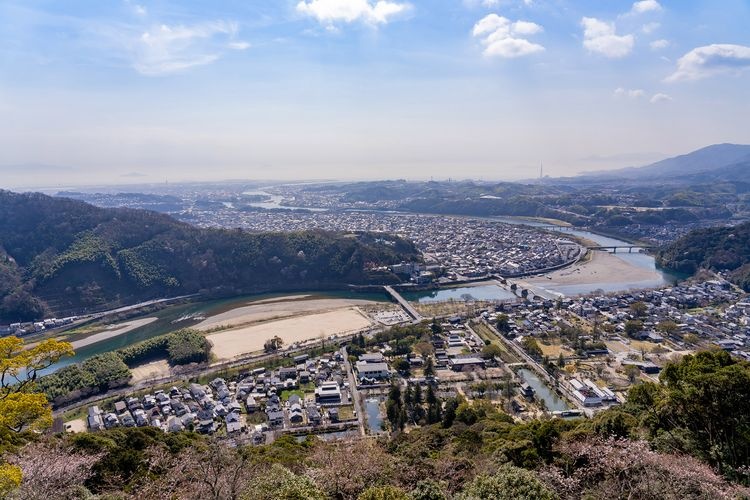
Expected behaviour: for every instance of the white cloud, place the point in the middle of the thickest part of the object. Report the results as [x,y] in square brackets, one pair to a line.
[332,11]
[711,60]
[630,94]
[645,6]
[167,49]
[238,45]
[657,98]
[600,37]
[650,27]
[659,44]
[491,4]
[503,38]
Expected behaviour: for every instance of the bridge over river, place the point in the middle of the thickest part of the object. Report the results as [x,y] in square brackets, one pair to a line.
[615,248]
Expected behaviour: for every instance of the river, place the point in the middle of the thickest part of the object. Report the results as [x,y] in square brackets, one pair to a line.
[460,293]
[619,282]
[175,317]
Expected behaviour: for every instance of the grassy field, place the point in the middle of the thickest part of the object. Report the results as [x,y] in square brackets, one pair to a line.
[487,334]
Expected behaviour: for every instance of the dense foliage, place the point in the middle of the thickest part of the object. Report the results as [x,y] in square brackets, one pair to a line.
[64,256]
[96,374]
[23,411]
[112,369]
[179,348]
[718,248]
[669,441]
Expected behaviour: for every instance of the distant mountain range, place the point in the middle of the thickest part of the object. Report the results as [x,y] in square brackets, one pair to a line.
[725,162]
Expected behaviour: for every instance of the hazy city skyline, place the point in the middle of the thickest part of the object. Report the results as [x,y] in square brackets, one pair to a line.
[143,91]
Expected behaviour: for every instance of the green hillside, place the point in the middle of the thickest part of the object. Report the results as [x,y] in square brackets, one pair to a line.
[718,249]
[59,256]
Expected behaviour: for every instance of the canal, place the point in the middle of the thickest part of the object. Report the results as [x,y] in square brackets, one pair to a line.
[543,391]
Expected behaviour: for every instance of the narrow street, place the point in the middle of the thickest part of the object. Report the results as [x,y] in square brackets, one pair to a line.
[356,399]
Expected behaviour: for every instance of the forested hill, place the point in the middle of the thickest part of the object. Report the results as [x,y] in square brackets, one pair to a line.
[719,249]
[60,256]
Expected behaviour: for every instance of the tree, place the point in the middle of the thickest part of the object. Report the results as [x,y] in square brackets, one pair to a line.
[435,327]
[531,346]
[52,470]
[667,327]
[21,408]
[449,415]
[428,489]
[429,367]
[273,344]
[509,483]
[621,468]
[632,327]
[503,323]
[434,408]
[491,351]
[639,309]
[561,361]
[690,338]
[394,408]
[280,483]
[701,407]
[633,373]
[383,493]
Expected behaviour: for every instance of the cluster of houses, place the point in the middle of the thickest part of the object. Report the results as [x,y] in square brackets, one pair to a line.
[458,247]
[457,348]
[310,393]
[20,329]
[201,408]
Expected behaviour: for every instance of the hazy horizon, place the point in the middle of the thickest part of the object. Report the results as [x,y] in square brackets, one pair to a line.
[134,92]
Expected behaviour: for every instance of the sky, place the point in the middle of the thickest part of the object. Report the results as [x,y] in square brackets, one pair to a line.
[134,91]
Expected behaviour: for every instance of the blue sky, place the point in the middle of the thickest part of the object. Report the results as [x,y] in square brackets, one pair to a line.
[135,91]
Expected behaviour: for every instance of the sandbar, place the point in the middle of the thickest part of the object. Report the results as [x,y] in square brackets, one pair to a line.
[233,343]
[112,331]
[277,309]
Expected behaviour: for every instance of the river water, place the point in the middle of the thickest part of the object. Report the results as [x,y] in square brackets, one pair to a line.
[618,283]
[543,392]
[461,293]
[186,315]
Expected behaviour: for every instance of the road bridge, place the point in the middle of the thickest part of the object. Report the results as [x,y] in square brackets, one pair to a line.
[629,248]
[403,303]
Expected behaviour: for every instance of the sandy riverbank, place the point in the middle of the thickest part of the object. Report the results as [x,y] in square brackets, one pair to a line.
[112,331]
[603,267]
[232,343]
[277,308]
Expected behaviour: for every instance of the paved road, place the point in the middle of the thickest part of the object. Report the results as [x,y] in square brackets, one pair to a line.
[404,303]
[356,397]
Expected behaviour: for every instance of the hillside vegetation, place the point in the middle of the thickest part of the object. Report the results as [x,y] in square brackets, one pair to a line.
[718,249]
[684,437]
[60,256]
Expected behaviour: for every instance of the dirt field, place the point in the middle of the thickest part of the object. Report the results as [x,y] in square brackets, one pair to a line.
[277,308]
[232,343]
[78,425]
[155,369]
[113,331]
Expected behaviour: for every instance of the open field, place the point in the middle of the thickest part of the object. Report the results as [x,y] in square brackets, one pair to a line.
[112,331]
[232,343]
[554,350]
[154,369]
[277,308]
